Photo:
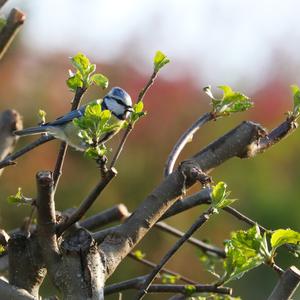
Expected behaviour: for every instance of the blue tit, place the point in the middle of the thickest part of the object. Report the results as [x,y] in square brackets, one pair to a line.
[117,101]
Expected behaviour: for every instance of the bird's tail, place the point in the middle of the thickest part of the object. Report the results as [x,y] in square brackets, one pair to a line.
[31,131]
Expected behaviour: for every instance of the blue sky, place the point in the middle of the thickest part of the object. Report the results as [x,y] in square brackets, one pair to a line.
[219,41]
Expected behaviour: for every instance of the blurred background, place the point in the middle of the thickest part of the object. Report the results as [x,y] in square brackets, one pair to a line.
[253,46]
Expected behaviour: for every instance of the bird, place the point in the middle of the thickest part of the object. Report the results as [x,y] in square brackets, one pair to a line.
[117,101]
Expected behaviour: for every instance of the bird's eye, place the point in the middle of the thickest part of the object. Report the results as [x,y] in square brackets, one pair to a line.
[120,102]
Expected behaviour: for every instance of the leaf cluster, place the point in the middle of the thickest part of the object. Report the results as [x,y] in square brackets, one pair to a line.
[19,198]
[219,196]
[83,76]
[93,125]
[249,249]
[160,60]
[231,102]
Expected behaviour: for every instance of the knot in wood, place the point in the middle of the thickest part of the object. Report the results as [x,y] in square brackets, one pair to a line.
[78,241]
[192,172]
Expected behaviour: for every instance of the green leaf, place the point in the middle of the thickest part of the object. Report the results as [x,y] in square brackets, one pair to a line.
[231,102]
[139,254]
[296,96]
[190,289]
[244,251]
[17,198]
[95,152]
[2,249]
[160,59]
[42,116]
[210,262]
[137,112]
[3,22]
[138,107]
[99,80]
[75,82]
[284,236]
[81,63]
[219,196]
[169,279]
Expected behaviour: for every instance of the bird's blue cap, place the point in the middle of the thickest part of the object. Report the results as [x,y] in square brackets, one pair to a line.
[119,93]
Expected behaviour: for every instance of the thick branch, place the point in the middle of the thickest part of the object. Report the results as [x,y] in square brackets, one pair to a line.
[116,213]
[202,197]
[118,244]
[46,220]
[14,21]
[86,204]
[8,291]
[287,284]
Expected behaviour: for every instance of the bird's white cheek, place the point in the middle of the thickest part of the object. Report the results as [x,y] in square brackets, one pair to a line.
[127,114]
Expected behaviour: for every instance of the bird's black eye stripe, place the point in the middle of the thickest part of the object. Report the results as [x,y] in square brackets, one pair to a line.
[120,102]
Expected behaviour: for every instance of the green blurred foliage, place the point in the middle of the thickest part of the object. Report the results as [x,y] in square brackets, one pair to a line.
[266,186]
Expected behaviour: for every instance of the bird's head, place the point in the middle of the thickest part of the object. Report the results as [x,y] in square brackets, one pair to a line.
[118,102]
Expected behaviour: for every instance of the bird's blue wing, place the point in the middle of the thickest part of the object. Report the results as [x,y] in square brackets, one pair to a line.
[68,117]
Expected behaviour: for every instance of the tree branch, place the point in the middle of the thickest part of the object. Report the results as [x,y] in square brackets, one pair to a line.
[86,204]
[46,219]
[197,224]
[202,197]
[198,243]
[2,2]
[165,270]
[130,127]
[8,291]
[137,283]
[9,160]
[14,21]
[118,244]
[183,140]
[287,285]
[113,214]
[63,146]
[10,120]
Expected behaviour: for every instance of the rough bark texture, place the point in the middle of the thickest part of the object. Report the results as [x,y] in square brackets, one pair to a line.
[235,143]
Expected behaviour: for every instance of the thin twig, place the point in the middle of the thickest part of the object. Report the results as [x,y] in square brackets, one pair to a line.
[129,128]
[200,198]
[198,243]
[234,212]
[86,204]
[287,285]
[14,21]
[64,146]
[138,282]
[197,224]
[183,140]
[165,270]
[9,160]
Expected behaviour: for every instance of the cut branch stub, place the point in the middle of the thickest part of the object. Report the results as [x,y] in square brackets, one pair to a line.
[81,274]
[26,267]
